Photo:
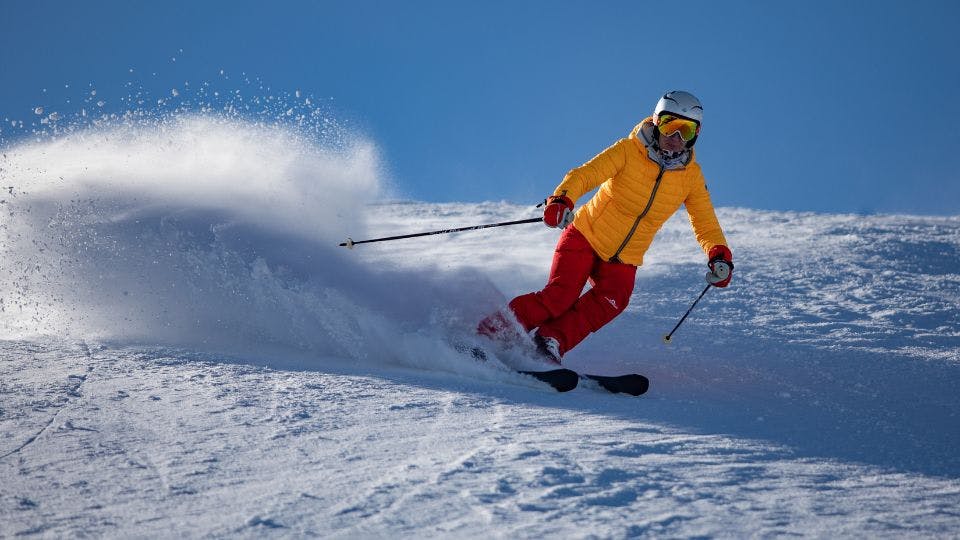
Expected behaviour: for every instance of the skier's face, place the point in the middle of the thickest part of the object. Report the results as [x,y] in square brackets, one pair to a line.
[672,144]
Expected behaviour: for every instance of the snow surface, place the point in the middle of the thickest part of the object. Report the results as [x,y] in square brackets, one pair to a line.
[186,351]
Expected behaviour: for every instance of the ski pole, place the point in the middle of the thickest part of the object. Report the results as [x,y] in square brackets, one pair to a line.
[669,337]
[350,242]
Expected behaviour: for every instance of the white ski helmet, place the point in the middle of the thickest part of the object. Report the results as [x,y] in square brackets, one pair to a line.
[682,104]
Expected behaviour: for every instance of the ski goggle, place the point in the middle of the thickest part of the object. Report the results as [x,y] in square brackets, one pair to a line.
[668,125]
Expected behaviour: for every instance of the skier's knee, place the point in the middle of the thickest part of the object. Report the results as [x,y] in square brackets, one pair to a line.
[558,300]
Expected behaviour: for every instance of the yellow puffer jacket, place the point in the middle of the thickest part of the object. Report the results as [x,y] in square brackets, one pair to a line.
[636,196]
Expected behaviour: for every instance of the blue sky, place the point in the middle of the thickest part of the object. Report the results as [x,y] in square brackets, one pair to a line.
[822,106]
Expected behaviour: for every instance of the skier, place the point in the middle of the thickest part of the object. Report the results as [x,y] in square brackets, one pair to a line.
[643,180]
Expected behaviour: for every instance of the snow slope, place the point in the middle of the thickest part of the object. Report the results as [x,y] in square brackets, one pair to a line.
[187,352]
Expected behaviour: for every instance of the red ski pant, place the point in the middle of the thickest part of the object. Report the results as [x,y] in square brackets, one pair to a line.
[559,311]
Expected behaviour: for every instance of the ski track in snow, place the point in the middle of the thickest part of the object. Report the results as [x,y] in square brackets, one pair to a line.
[173,364]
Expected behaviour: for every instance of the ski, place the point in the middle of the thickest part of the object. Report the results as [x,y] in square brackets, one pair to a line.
[565,380]
[632,384]
[562,380]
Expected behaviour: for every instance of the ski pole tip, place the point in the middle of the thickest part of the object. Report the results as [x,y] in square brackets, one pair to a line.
[668,339]
[348,244]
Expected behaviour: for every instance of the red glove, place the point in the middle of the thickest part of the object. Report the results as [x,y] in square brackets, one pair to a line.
[558,212]
[721,266]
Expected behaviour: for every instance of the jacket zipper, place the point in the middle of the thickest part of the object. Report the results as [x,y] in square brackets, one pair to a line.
[636,223]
